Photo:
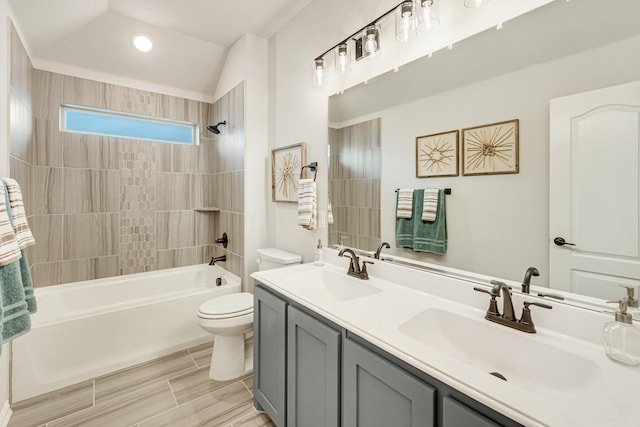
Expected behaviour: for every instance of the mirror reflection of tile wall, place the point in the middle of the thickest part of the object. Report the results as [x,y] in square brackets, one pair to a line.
[354,185]
[102,206]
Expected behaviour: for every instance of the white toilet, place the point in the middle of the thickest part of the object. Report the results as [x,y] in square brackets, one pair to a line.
[230,317]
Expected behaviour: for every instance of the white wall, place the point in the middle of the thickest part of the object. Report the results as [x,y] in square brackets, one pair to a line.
[247,60]
[300,111]
[497,225]
[5,15]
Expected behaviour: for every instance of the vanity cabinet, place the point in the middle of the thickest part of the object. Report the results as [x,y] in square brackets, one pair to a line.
[377,393]
[309,372]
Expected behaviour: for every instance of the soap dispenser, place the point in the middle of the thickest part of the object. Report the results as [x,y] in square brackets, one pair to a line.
[319,256]
[622,338]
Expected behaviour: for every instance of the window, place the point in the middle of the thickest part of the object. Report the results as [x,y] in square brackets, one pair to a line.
[113,123]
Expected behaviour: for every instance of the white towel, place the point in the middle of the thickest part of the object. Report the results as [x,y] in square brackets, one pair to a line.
[18,215]
[307,204]
[329,214]
[404,208]
[9,249]
[430,204]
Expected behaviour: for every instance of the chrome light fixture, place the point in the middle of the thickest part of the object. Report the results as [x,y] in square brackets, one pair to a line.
[428,16]
[318,72]
[406,22]
[475,3]
[342,58]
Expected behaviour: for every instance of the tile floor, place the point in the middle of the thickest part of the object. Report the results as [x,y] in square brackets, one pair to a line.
[171,391]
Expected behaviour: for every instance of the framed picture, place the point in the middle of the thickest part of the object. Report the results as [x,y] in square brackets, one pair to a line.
[490,149]
[437,154]
[286,163]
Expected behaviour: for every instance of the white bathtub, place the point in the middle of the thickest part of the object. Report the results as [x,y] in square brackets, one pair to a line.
[86,329]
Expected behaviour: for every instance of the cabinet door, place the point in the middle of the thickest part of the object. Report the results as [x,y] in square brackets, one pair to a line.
[455,414]
[377,393]
[313,372]
[269,354]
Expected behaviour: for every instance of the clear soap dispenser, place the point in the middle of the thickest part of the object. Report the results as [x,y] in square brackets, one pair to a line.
[318,259]
[622,338]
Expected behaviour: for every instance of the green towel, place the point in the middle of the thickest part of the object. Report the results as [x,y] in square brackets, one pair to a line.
[15,314]
[429,236]
[404,226]
[27,284]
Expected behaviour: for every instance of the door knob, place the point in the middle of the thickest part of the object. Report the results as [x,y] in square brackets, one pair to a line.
[561,242]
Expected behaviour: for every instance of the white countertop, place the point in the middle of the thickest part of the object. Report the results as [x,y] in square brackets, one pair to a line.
[610,397]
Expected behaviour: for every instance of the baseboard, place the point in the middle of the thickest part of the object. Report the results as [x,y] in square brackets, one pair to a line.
[5,414]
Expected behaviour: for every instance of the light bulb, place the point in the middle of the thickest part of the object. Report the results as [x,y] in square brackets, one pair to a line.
[342,59]
[405,21]
[318,72]
[371,45]
[370,41]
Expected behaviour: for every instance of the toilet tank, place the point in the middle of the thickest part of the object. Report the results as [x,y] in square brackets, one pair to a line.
[269,258]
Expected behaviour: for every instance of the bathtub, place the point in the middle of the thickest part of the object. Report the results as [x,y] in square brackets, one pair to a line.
[86,329]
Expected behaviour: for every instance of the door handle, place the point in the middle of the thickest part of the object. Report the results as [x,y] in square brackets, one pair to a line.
[561,242]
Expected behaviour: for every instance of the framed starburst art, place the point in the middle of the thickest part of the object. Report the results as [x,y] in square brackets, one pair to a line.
[490,149]
[286,163]
[437,154]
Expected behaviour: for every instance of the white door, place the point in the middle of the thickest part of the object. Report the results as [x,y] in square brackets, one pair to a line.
[595,191]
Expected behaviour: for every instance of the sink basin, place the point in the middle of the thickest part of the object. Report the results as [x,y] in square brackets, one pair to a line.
[322,283]
[507,354]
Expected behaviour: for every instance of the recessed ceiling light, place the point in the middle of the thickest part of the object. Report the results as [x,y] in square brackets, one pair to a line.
[142,42]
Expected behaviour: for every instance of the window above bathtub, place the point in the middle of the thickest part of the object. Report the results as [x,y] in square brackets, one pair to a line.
[95,121]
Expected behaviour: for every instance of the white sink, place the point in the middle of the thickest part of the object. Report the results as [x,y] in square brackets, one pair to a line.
[322,283]
[519,357]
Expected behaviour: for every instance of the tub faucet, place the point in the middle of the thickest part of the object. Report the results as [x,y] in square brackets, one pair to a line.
[526,282]
[382,245]
[222,258]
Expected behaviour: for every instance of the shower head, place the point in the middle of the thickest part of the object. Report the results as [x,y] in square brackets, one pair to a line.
[214,128]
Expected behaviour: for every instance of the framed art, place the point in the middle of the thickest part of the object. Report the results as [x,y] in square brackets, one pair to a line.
[490,149]
[437,154]
[286,163]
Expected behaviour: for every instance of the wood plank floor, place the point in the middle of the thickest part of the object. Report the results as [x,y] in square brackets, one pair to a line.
[171,391]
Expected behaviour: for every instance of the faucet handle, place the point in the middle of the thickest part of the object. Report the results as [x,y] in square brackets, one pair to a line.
[493,304]
[538,304]
[363,271]
[526,315]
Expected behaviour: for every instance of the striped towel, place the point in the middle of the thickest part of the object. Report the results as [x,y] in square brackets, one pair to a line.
[307,204]
[9,248]
[405,203]
[18,215]
[430,204]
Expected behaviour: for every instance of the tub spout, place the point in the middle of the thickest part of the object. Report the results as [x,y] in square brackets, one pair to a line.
[215,259]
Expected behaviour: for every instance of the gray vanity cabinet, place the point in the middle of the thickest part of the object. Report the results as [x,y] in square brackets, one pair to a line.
[377,393]
[313,371]
[455,414]
[269,354]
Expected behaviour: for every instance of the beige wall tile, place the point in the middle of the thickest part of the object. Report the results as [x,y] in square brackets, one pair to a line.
[88,93]
[90,268]
[185,158]
[48,232]
[20,68]
[91,191]
[91,235]
[178,108]
[175,229]
[47,274]
[129,100]
[46,190]
[163,157]
[47,94]
[46,145]
[20,128]
[90,151]
[23,173]
[174,191]
[171,258]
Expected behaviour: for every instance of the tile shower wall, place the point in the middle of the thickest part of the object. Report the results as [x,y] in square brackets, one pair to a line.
[354,183]
[102,206]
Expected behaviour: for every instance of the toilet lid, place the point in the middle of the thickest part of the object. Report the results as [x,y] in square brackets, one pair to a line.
[230,305]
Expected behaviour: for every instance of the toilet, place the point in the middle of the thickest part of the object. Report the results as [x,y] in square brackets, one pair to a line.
[230,317]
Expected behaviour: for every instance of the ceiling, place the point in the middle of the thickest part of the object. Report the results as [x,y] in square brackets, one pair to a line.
[191,37]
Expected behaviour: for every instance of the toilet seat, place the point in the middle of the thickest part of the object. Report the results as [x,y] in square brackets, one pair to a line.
[227,306]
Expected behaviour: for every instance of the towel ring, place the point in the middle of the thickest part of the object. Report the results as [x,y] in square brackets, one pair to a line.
[313,166]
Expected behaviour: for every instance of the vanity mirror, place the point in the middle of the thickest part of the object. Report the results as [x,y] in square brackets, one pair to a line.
[498,225]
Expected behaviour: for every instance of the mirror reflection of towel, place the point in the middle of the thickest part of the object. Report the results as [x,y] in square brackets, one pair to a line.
[423,236]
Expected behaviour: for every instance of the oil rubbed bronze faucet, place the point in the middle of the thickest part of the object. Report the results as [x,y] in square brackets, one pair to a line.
[354,264]
[526,282]
[382,245]
[507,318]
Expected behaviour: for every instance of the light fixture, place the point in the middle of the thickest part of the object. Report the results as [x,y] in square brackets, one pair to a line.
[475,3]
[371,41]
[406,22]
[142,42]
[215,128]
[342,58]
[428,16]
[318,72]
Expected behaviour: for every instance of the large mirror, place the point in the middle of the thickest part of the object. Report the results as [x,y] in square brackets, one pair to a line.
[497,225]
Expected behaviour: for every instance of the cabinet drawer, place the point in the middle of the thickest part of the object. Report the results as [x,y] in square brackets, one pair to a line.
[456,414]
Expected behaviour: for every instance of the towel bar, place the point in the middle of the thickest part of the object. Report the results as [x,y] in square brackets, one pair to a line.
[446,190]
[313,166]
